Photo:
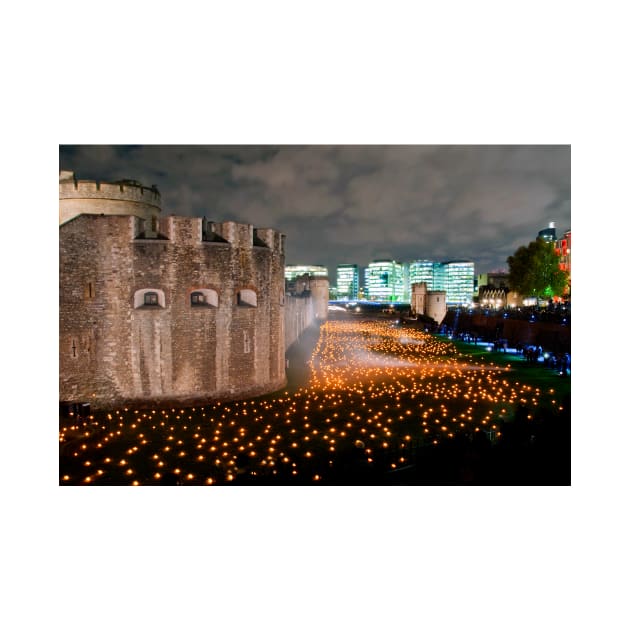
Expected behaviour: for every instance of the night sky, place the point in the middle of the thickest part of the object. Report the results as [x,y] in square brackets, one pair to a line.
[353,204]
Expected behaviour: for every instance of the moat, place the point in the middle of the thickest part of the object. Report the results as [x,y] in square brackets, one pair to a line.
[376,404]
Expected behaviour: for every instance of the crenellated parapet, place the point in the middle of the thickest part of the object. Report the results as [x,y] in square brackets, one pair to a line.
[194,230]
[129,197]
[242,235]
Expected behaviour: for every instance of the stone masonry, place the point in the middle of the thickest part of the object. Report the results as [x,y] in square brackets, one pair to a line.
[169,309]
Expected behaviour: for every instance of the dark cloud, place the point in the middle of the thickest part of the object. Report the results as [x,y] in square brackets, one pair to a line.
[355,203]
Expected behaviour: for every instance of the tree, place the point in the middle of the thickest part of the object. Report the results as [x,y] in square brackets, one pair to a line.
[535,271]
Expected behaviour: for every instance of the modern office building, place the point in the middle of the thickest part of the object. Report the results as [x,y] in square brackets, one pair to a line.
[549,233]
[293,271]
[390,281]
[347,282]
[406,283]
[384,281]
[422,271]
[457,278]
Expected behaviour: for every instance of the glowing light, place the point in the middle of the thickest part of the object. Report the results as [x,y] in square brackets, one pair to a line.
[356,365]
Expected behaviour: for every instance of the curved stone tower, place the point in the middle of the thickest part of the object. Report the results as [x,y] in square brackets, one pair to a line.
[125,197]
[319,290]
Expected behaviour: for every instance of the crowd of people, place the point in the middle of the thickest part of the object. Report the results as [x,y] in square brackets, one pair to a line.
[558,361]
[556,313]
[534,354]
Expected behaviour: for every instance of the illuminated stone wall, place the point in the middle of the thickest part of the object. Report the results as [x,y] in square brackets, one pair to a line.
[306,307]
[319,291]
[90,197]
[299,314]
[114,349]
[430,303]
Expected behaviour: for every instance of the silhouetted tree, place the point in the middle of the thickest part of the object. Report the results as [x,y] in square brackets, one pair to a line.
[535,270]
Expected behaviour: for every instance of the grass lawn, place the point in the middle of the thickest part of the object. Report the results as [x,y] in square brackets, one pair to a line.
[520,371]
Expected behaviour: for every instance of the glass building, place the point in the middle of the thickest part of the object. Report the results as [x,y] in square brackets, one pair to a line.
[293,271]
[347,282]
[384,281]
[406,285]
[423,271]
[549,233]
[457,278]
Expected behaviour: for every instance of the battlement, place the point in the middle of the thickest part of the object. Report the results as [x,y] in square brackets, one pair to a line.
[125,190]
[125,197]
[241,235]
[194,230]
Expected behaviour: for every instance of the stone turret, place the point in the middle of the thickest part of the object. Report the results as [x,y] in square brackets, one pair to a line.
[430,303]
[124,197]
[319,291]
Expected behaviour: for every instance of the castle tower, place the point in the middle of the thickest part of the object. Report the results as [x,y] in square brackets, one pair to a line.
[436,305]
[418,297]
[124,197]
[430,303]
[319,291]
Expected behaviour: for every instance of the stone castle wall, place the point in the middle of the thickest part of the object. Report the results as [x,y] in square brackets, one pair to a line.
[299,314]
[114,348]
[306,305]
[552,336]
[430,303]
[436,305]
[319,288]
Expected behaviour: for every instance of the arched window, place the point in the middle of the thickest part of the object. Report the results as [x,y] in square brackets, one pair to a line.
[204,297]
[246,297]
[149,298]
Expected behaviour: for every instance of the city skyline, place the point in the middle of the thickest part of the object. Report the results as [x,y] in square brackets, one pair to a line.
[357,203]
